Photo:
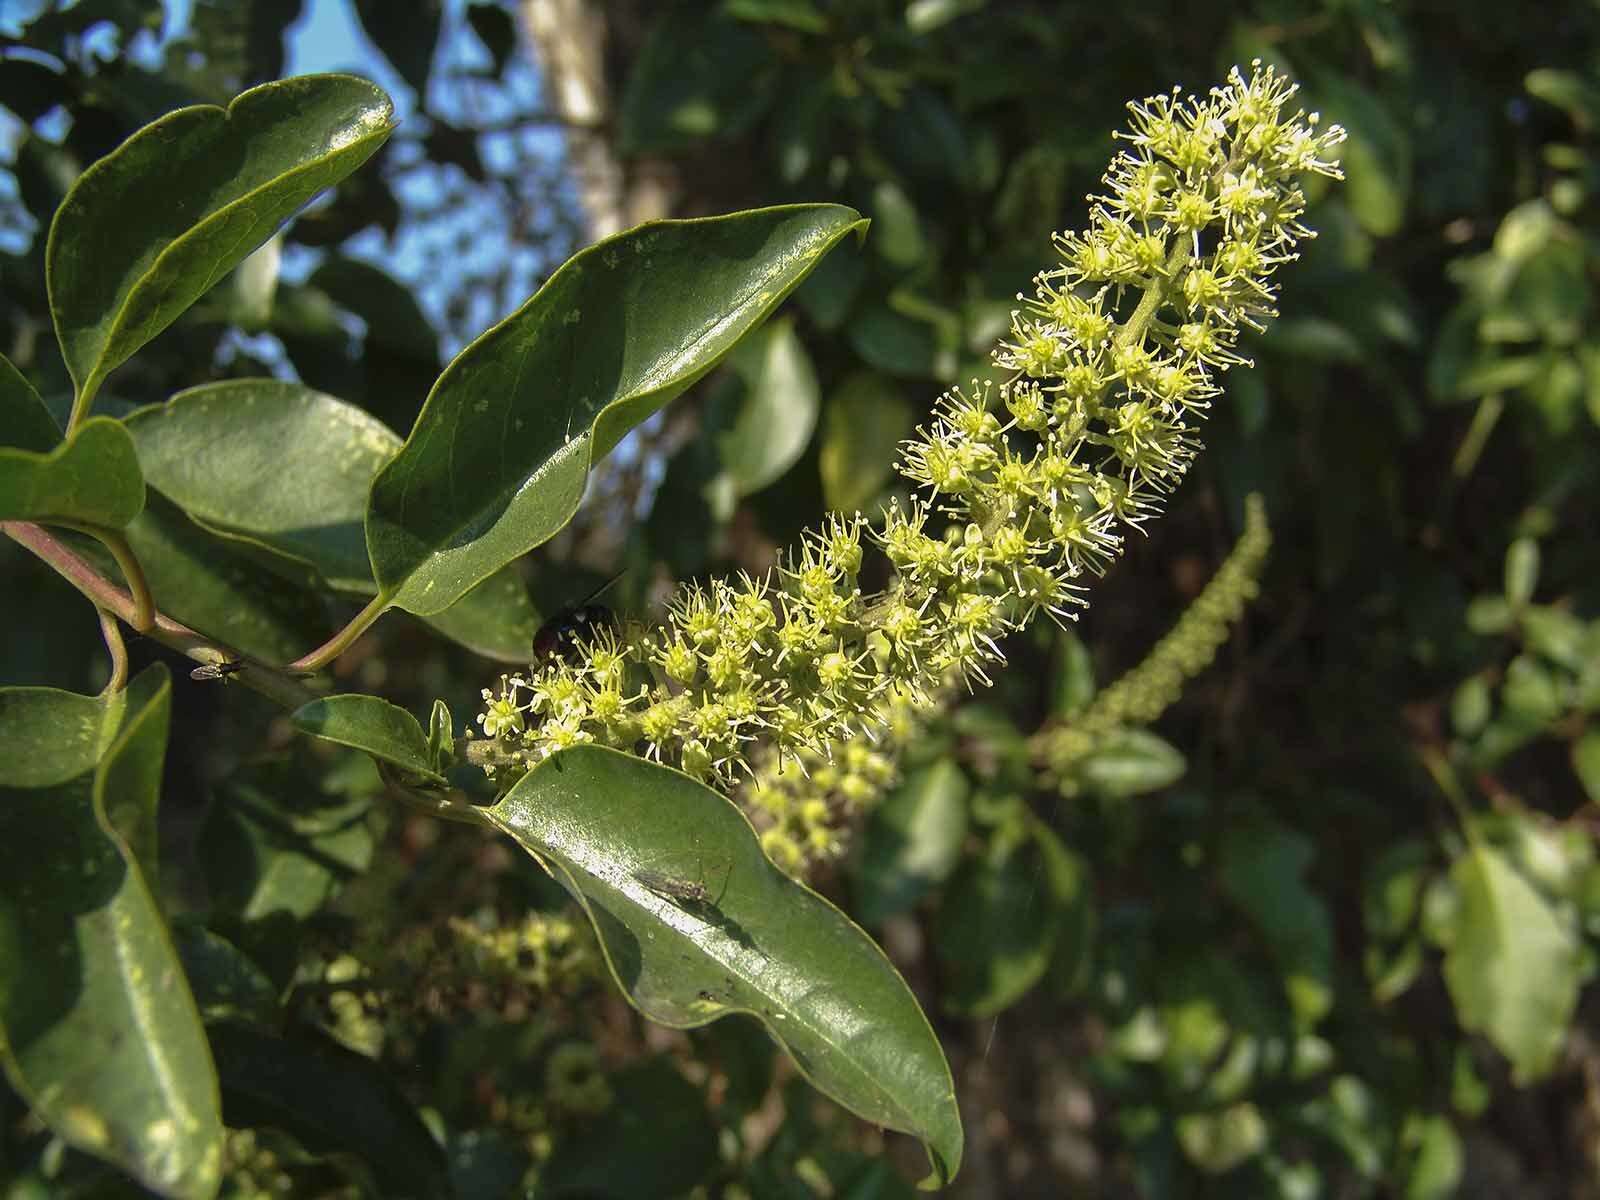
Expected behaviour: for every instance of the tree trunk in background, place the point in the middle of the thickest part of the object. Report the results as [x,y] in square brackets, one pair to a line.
[570,38]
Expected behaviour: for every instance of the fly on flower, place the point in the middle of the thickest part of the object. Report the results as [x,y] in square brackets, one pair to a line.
[561,636]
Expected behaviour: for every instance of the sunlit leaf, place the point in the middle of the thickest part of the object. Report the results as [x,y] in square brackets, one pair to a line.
[1435,1158]
[92,478]
[385,731]
[1586,762]
[151,227]
[696,923]
[499,456]
[1512,963]
[778,409]
[1522,571]
[98,1031]
[1376,156]
[272,463]
[287,469]
[1131,762]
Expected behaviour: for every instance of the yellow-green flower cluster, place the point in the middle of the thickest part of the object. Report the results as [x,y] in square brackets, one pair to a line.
[541,952]
[1145,692]
[483,967]
[1026,486]
[253,1167]
[805,805]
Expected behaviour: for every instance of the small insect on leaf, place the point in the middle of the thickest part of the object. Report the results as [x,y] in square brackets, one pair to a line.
[672,888]
[216,670]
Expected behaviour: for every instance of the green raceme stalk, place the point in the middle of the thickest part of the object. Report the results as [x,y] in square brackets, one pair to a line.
[1149,689]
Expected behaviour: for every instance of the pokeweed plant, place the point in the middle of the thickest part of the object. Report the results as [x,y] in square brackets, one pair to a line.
[610,767]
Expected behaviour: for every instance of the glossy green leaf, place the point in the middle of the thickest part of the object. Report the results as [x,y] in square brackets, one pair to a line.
[1220,1140]
[900,241]
[98,1031]
[1131,762]
[279,842]
[385,731]
[779,408]
[151,227]
[695,923]
[127,785]
[1262,869]
[656,1139]
[912,841]
[408,44]
[212,584]
[441,735]
[92,478]
[1522,571]
[999,921]
[1434,1158]
[1556,634]
[894,342]
[495,618]
[1488,615]
[1512,963]
[227,985]
[498,458]
[1074,684]
[696,76]
[1376,156]
[48,737]
[332,1099]
[1471,706]
[865,420]
[25,422]
[287,469]
[273,463]
[1586,762]
[802,15]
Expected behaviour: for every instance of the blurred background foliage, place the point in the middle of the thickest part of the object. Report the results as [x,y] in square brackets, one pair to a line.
[1324,927]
